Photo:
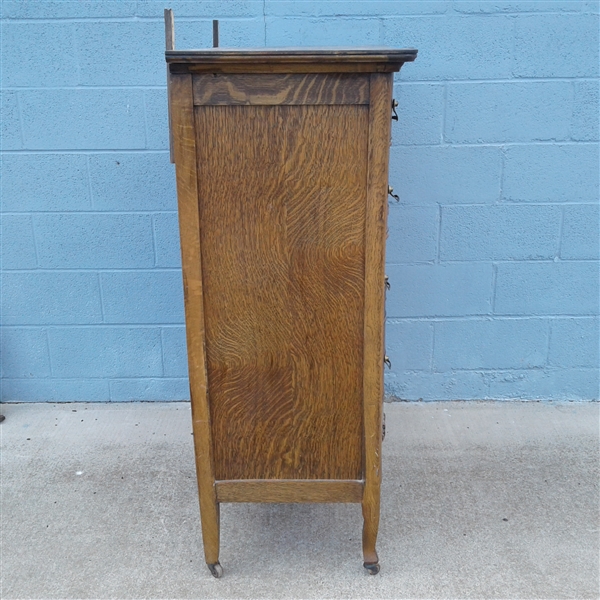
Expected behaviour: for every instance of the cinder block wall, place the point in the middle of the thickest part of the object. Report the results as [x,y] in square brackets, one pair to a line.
[493,248]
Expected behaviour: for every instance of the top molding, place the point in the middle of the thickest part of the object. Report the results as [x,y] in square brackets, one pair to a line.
[286,60]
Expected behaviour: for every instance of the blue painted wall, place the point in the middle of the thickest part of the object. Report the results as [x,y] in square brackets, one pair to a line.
[493,249]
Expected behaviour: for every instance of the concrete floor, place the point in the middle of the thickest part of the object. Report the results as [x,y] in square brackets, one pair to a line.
[479,500]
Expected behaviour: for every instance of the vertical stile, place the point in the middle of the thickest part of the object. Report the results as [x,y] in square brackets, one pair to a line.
[375,233]
[189,226]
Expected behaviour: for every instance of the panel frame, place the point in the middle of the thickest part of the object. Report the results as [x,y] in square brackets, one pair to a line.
[291,89]
[290,490]
[184,149]
[381,88]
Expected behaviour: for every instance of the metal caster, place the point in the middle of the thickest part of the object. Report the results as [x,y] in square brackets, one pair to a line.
[372,568]
[216,570]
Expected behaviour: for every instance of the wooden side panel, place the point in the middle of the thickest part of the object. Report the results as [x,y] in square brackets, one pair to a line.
[270,90]
[184,147]
[282,195]
[282,490]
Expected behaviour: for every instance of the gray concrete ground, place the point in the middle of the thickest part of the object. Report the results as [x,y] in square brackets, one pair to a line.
[479,500]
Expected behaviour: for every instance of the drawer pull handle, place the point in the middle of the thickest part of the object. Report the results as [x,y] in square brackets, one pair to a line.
[387,361]
[391,193]
[394,113]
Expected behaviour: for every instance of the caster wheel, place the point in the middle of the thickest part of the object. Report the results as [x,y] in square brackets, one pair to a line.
[372,569]
[216,570]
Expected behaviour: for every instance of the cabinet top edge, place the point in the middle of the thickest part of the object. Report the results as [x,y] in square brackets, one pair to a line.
[390,57]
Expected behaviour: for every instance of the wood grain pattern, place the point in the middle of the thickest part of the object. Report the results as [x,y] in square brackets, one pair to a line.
[282,195]
[289,89]
[184,148]
[281,490]
[375,231]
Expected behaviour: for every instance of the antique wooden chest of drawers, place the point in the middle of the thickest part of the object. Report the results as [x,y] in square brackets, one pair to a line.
[282,180]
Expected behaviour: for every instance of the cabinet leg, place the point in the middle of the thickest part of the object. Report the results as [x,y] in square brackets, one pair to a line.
[209,516]
[370,527]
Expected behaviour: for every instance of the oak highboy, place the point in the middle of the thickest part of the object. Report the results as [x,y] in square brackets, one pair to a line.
[282,165]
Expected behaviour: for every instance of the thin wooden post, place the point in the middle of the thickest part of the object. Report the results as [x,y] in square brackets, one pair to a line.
[215,33]
[169,45]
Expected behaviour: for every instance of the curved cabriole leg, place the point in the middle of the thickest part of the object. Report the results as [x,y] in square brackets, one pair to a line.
[370,527]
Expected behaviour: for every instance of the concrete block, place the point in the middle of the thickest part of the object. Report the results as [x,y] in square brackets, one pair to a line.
[339,31]
[584,126]
[10,123]
[409,345]
[149,390]
[105,352]
[94,241]
[556,45]
[545,384]
[334,8]
[439,290]
[580,235]
[551,173]
[133,181]
[195,34]
[209,9]
[238,33]
[233,33]
[446,175]
[17,246]
[83,119]
[459,385]
[66,9]
[574,343]
[24,353]
[142,297]
[590,6]
[490,344]
[42,298]
[453,47]
[174,352]
[500,232]
[563,288]
[121,53]
[516,6]
[45,182]
[38,54]
[413,233]
[157,119]
[166,240]
[508,112]
[421,109]
[55,390]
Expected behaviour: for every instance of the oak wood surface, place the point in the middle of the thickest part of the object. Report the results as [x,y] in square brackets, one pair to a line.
[274,89]
[322,55]
[196,68]
[374,321]
[282,195]
[281,490]
[184,146]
